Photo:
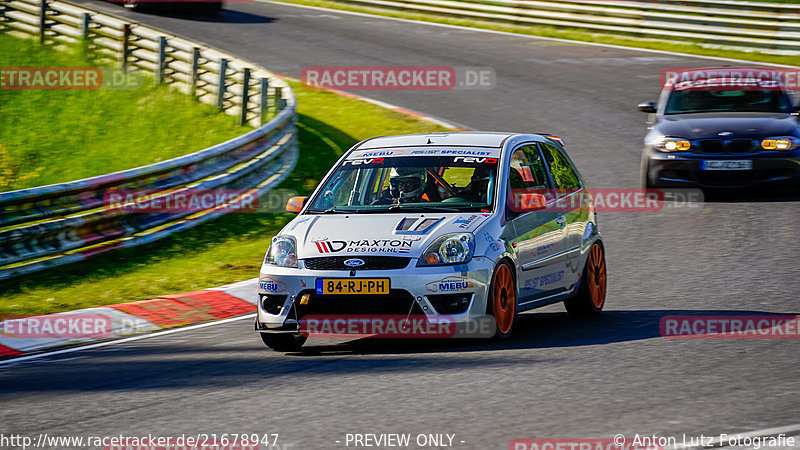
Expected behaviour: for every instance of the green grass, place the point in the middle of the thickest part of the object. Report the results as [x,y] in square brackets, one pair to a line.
[49,137]
[224,250]
[560,33]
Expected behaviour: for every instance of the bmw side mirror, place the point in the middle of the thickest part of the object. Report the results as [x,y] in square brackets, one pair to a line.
[647,107]
[295,204]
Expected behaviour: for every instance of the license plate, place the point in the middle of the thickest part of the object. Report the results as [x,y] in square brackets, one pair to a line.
[727,164]
[353,286]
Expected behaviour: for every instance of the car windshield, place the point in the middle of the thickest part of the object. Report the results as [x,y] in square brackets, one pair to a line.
[365,184]
[704,101]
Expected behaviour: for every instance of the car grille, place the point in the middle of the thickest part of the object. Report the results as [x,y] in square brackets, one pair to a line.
[397,302]
[370,263]
[716,146]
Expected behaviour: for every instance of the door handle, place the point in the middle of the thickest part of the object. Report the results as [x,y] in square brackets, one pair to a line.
[561,220]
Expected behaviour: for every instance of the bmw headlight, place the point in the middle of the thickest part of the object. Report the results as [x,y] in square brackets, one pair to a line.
[454,248]
[672,144]
[780,143]
[282,252]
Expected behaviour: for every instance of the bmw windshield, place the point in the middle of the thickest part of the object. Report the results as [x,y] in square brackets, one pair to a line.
[692,101]
[376,182]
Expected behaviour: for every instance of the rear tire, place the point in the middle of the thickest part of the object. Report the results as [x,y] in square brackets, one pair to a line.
[503,300]
[284,342]
[591,296]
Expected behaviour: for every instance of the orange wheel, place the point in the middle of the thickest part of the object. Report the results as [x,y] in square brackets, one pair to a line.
[504,299]
[591,296]
[597,276]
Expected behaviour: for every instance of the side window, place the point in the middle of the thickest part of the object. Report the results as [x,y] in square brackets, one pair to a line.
[565,178]
[527,173]
[527,169]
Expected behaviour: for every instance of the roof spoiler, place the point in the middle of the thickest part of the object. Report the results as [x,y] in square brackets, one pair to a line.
[553,137]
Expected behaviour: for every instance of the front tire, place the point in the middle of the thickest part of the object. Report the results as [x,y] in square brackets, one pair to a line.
[591,296]
[284,342]
[645,175]
[503,300]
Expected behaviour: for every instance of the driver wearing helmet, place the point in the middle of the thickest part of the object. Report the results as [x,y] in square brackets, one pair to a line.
[406,185]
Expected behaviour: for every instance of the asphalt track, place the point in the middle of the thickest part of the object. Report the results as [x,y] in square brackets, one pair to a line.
[557,377]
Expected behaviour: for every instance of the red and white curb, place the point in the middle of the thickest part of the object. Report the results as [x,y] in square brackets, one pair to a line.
[126,319]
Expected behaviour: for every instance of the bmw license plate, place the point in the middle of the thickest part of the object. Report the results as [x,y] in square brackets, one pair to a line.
[353,286]
[726,164]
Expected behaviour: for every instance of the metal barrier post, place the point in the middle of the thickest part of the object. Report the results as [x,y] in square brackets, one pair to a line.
[245,96]
[42,21]
[262,114]
[126,38]
[278,99]
[223,67]
[195,70]
[161,62]
[86,19]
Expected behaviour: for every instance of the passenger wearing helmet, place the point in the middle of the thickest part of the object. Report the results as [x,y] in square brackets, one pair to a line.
[478,187]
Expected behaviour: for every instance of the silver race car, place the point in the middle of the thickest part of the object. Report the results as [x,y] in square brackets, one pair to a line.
[461,227]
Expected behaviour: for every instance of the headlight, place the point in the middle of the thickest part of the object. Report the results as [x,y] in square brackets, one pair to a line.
[672,144]
[282,252]
[454,248]
[780,143]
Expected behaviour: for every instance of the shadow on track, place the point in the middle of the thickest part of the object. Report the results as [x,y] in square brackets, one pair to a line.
[204,362]
[533,330]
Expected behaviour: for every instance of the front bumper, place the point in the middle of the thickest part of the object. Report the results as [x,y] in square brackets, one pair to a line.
[684,170]
[420,291]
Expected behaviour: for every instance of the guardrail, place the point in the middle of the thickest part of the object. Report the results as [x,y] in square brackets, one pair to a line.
[48,226]
[736,25]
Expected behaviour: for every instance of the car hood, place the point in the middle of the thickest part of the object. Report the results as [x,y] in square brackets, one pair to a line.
[375,234]
[741,125]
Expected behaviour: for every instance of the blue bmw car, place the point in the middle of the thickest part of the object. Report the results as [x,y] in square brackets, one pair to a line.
[721,134]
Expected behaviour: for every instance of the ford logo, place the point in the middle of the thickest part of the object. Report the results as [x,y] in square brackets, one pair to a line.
[355,262]
[725,134]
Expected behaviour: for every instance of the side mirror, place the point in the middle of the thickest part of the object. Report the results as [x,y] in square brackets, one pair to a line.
[647,107]
[527,202]
[295,204]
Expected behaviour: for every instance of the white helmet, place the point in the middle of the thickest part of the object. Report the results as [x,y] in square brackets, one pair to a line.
[408,182]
